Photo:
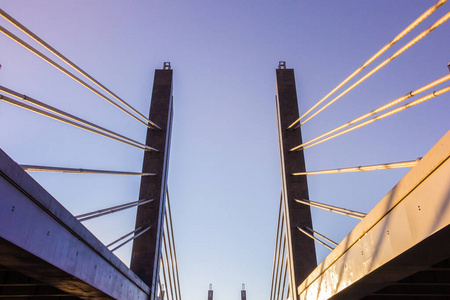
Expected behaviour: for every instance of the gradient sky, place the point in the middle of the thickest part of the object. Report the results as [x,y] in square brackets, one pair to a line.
[224,175]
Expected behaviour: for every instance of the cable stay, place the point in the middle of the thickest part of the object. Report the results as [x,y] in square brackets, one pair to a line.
[35,168]
[277,244]
[314,238]
[167,264]
[76,124]
[65,71]
[335,209]
[384,63]
[285,271]
[169,217]
[28,32]
[379,109]
[110,210]
[279,269]
[173,264]
[161,289]
[141,232]
[322,236]
[387,114]
[284,261]
[396,165]
[164,273]
[69,116]
[58,118]
[404,32]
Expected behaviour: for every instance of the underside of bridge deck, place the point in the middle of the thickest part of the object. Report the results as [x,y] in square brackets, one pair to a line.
[17,286]
[432,283]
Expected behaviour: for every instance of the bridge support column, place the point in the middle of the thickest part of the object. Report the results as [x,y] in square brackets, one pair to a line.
[210,292]
[146,254]
[243,293]
[301,252]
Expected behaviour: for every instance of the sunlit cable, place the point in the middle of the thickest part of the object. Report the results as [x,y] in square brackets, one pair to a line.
[70,116]
[78,170]
[314,238]
[335,209]
[277,245]
[396,165]
[76,124]
[168,230]
[28,32]
[322,236]
[384,63]
[57,66]
[389,113]
[279,266]
[379,109]
[283,256]
[168,268]
[173,242]
[164,274]
[405,31]
[284,279]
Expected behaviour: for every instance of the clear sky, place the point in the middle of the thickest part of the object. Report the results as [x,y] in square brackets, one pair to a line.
[224,175]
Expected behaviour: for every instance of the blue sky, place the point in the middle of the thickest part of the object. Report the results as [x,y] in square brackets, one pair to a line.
[224,175]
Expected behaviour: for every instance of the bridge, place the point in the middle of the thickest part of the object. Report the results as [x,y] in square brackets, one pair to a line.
[400,249]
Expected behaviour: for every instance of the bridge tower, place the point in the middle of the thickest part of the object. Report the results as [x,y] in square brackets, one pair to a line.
[301,254]
[146,253]
[210,292]
[243,293]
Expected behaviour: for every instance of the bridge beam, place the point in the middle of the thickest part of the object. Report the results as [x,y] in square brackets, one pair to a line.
[401,247]
[146,253]
[41,240]
[301,250]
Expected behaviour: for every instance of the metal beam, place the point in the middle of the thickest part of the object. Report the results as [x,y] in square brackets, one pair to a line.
[301,250]
[146,254]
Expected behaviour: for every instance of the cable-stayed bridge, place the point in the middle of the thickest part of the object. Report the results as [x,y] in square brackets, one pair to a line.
[399,249]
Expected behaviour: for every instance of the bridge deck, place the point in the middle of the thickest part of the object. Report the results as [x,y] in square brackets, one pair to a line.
[401,248]
[40,239]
